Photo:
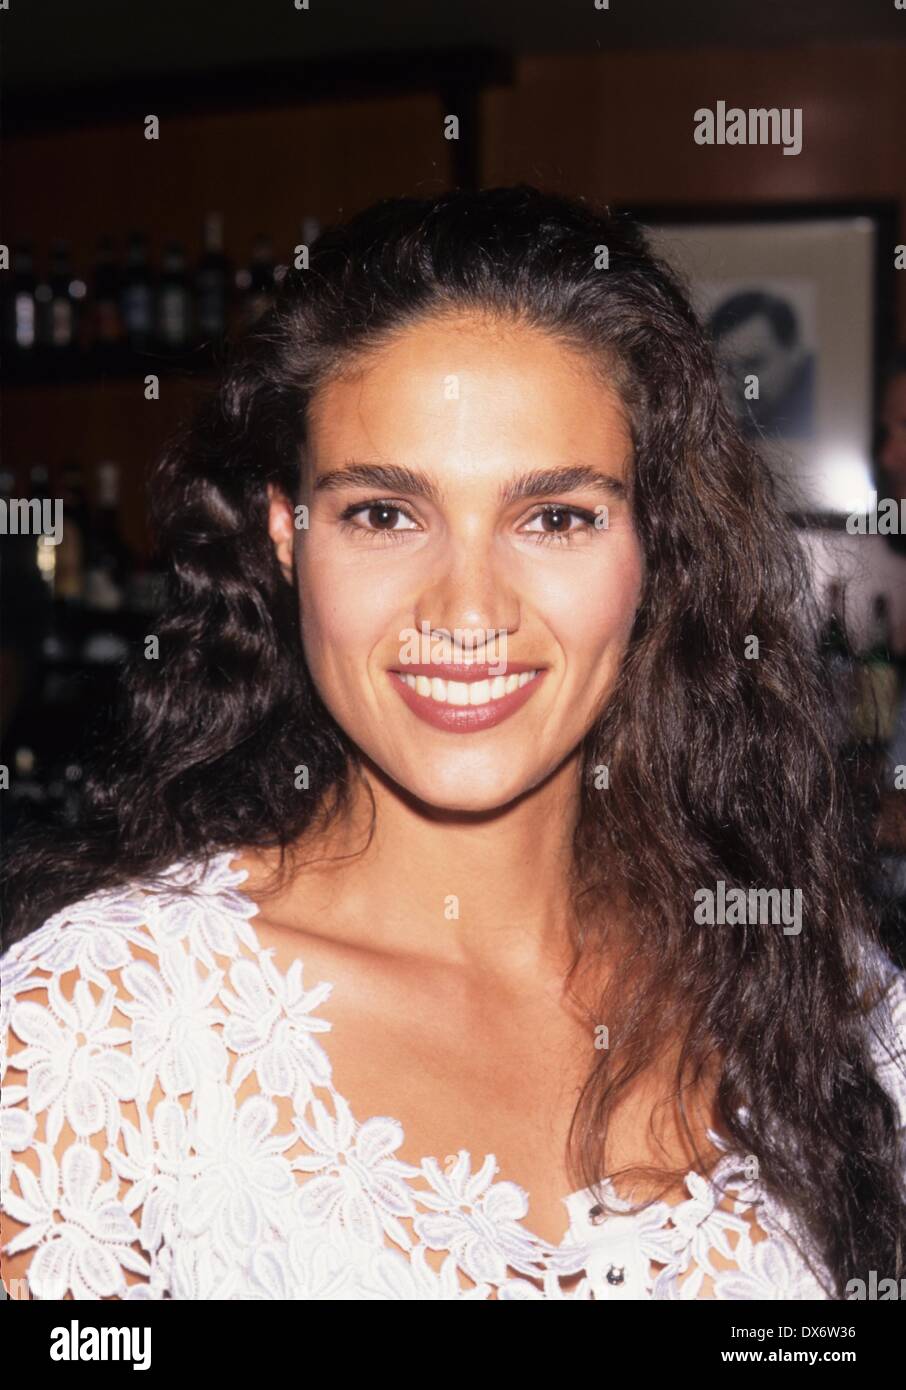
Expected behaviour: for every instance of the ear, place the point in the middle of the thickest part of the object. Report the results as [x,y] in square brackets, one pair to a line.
[281,530]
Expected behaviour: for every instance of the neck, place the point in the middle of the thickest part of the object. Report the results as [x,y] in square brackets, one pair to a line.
[488,890]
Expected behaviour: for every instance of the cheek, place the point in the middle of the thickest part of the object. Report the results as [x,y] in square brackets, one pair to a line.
[593,628]
[343,612]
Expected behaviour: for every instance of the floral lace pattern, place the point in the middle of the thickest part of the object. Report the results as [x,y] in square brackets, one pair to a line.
[149,1162]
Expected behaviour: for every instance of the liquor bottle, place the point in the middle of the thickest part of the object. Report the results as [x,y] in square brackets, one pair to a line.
[879,680]
[26,789]
[174,301]
[70,794]
[19,309]
[55,641]
[59,302]
[67,303]
[109,560]
[106,321]
[69,587]
[213,283]
[137,296]
[45,552]
[257,282]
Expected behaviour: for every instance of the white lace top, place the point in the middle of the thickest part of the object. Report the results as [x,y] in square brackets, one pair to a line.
[202,1195]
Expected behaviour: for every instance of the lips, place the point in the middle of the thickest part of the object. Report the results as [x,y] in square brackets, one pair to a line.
[464,698]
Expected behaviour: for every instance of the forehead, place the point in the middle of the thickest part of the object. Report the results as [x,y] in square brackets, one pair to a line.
[451,384]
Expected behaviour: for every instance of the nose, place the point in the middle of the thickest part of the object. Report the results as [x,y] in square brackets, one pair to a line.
[470,594]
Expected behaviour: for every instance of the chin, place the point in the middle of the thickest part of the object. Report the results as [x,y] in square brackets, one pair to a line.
[464,804]
[462,793]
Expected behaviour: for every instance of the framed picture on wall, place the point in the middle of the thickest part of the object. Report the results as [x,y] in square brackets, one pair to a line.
[799,302]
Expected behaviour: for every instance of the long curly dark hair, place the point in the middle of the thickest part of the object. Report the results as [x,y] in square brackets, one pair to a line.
[721,767]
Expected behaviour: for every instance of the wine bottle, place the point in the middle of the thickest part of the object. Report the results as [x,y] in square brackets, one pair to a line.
[26,788]
[106,321]
[45,552]
[109,559]
[137,295]
[213,283]
[71,795]
[257,282]
[174,301]
[70,562]
[59,302]
[20,307]
[55,645]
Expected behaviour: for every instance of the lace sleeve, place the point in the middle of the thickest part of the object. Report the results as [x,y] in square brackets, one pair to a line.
[74,1125]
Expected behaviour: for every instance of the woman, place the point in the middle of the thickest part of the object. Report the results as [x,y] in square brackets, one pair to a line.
[382,965]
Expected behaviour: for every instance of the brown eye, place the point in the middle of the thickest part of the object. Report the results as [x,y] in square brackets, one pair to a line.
[556,524]
[378,518]
[383,518]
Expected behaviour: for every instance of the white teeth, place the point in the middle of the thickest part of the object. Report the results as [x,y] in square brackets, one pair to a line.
[466,692]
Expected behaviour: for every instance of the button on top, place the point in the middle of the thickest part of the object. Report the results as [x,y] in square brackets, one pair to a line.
[616,1266]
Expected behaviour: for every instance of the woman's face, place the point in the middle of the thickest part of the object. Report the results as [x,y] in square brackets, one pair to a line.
[463,555]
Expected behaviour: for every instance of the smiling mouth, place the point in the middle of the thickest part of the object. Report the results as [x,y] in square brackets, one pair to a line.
[472,693]
[463,706]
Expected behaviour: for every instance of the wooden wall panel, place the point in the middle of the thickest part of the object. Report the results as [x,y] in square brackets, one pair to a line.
[618,126]
[264,169]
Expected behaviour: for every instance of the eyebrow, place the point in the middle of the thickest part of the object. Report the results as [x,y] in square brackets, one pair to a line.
[543,482]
